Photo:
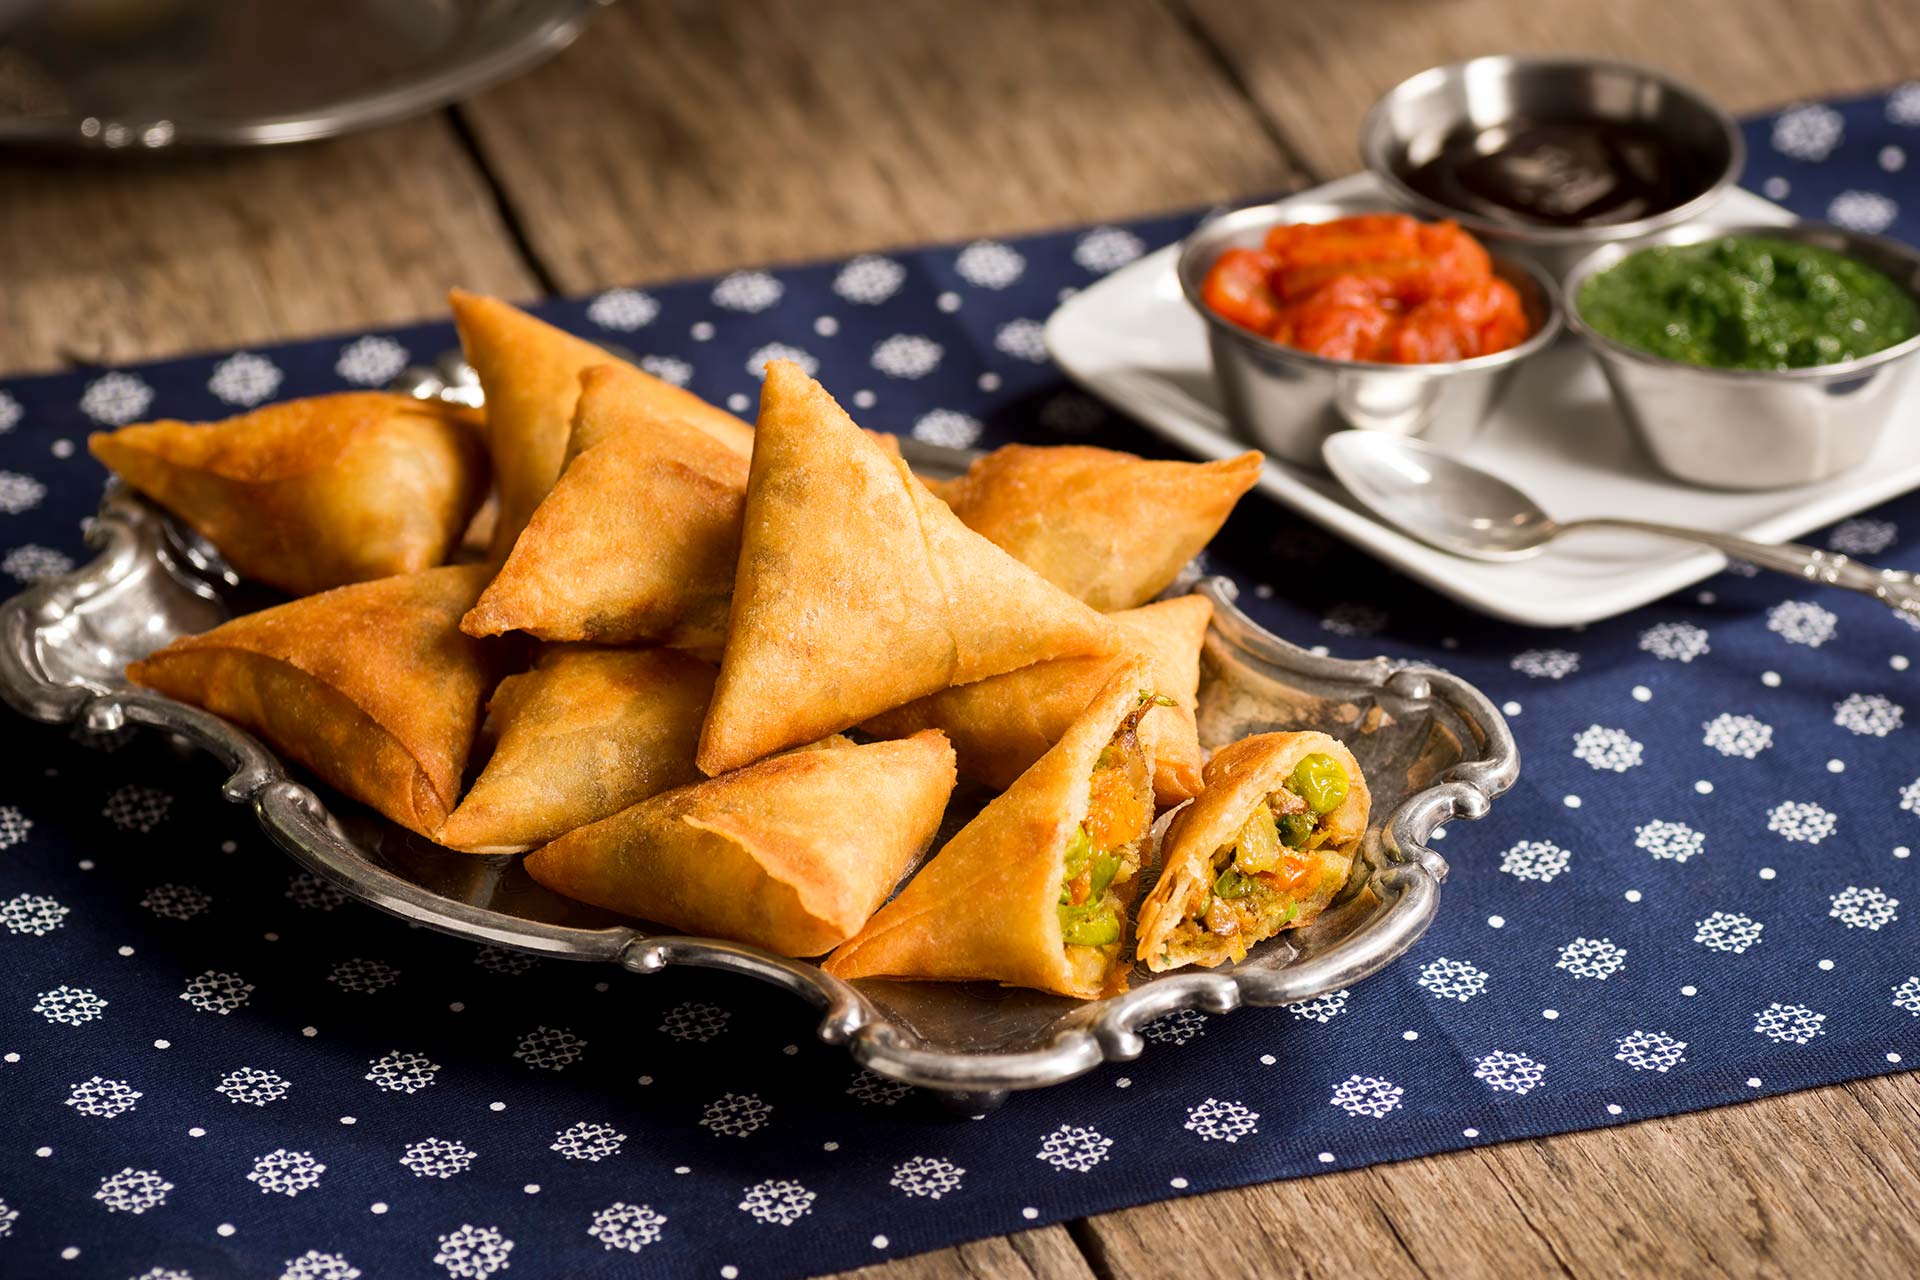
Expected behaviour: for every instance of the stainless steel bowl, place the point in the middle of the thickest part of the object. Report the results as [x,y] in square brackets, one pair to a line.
[1756,428]
[1287,401]
[1408,126]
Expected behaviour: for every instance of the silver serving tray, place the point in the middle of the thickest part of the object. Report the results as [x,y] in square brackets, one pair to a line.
[143,75]
[1433,748]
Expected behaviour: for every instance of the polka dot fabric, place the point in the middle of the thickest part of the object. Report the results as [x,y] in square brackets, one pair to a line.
[1702,890]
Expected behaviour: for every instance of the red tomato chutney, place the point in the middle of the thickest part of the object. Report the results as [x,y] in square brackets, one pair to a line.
[1381,287]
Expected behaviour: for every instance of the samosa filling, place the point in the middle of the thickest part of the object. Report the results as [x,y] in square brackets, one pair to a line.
[1103,853]
[1262,876]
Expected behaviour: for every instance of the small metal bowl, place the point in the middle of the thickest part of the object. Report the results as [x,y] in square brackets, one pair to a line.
[1408,126]
[1755,428]
[1287,401]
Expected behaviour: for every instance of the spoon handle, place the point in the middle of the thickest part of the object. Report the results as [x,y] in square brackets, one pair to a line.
[1892,587]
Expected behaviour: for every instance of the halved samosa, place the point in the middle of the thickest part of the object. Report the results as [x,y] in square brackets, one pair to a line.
[1264,848]
[530,374]
[857,591]
[316,493]
[582,735]
[1110,528]
[791,854]
[638,540]
[372,686]
[1001,725]
[1034,892]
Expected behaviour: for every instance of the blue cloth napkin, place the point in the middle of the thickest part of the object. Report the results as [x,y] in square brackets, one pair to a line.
[1701,891]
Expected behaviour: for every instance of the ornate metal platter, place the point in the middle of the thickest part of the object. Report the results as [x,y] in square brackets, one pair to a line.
[1433,748]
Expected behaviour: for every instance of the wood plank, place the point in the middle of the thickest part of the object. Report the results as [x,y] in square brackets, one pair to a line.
[120,258]
[1047,1253]
[1815,1183]
[687,137]
[1316,67]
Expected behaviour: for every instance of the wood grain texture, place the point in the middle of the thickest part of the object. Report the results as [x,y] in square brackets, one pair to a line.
[1044,1254]
[688,136]
[1315,66]
[1816,1183]
[124,258]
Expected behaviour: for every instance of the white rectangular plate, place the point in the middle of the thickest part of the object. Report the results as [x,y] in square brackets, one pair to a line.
[1133,341]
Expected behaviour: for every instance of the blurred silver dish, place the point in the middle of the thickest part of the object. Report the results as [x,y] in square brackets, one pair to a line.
[1755,428]
[132,76]
[1411,123]
[1287,401]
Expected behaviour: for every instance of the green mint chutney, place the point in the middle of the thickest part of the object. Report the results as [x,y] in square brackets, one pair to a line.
[1748,302]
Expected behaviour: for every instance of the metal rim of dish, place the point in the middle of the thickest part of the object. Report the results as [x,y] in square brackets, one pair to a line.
[1375,138]
[552,32]
[1821,235]
[1215,235]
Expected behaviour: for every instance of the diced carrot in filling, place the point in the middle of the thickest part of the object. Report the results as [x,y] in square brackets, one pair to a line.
[1102,857]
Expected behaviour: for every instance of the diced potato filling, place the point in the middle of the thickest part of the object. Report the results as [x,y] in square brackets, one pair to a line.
[1103,853]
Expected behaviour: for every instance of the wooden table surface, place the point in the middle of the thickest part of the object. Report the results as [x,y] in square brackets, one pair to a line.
[685,136]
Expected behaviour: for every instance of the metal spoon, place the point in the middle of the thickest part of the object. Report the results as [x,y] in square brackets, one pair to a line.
[1452,505]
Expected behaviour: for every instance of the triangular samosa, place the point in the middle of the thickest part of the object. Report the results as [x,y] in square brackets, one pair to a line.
[1034,892]
[1109,528]
[1000,726]
[791,854]
[637,541]
[1265,847]
[372,686]
[530,374]
[584,734]
[858,591]
[316,493]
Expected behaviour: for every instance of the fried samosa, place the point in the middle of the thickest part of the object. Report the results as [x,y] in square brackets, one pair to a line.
[1263,848]
[530,374]
[316,493]
[857,591]
[791,854]
[582,735]
[1109,528]
[636,542]
[1000,726]
[372,686]
[1034,892]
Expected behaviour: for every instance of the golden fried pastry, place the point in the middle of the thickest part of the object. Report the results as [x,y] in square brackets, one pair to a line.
[857,591]
[1109,528]
[791,854]
[1001,725]
[582,735]
[1265,847]
[372,686]
[530,372]
[636,542]
[1034,892]
[315,493]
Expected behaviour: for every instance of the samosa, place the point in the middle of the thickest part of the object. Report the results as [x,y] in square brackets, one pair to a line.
[530,374]
[582,735]
[1265,847]
[638,540]
[315,493]
[1034,892]
[1000,726]
[1109,528]
[791,854]
[372,686]
[857,591]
